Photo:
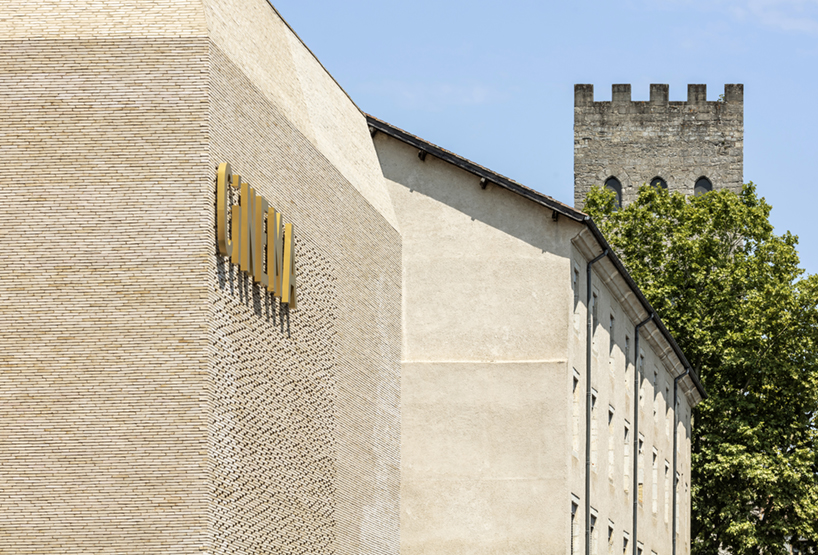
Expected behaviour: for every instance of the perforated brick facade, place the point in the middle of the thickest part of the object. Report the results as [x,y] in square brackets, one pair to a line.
[152,400]
[637,141]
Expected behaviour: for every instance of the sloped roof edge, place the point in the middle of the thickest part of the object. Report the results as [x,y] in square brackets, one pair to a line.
[381,126]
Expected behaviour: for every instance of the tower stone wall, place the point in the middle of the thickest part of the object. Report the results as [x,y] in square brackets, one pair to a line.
[637,141]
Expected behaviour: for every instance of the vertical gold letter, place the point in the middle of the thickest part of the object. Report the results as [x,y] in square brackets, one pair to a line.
[259,241]
[236,226]
[247,195]
[288,280]
[225,175]
[275,251]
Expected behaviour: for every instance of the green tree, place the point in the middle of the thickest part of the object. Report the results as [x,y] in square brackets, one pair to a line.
[732,294]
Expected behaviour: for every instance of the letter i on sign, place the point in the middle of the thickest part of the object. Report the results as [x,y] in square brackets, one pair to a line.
[288,280]
[225,176]
[275,251]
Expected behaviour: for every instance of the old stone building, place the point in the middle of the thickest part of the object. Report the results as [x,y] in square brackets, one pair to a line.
[691,147]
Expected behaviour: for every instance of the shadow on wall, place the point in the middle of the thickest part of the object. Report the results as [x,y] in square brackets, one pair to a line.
[461,190]
[241,287]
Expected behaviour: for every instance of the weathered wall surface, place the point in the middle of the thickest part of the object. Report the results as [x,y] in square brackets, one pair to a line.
[485,323]
[103,299]
[677,141]
[152,400]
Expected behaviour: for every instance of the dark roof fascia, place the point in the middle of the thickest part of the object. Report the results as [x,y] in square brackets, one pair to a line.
[603,243]
[548,202]
[476,169]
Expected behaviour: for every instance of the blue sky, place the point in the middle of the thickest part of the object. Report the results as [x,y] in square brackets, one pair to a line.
[494,82]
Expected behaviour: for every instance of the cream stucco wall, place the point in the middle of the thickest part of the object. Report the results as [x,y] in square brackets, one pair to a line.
[493,428]
[484,427]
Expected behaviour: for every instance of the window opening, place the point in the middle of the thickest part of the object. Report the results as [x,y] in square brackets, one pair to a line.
[575,410]
[611,342]
[593,430]
[626,458]
[640,478]
[667,491]
[613,184]
[611,436]
[654,506]
[702,186]
[658,183]
[610,538]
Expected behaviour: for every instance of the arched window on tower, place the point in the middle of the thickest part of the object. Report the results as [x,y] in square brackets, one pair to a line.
[613,184]
[703,186]
[658,182]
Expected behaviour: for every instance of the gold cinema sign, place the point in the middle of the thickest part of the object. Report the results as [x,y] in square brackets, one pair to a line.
[248,242]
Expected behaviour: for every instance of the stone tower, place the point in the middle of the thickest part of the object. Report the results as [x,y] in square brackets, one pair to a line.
[690,147]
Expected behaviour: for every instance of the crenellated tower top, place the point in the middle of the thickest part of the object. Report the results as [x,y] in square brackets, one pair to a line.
[690,146]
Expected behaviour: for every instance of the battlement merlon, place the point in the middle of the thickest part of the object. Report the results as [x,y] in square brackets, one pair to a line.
[659,94]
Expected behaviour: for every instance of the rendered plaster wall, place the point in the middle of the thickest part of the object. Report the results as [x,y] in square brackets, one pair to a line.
[636,141]
[493,425]
[152,400]
[484,386]
[612,382]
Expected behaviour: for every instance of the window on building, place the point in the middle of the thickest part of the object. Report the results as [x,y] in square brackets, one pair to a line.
[613,184]
[658,183]
[640,477]
[702,186]
[611,342]
[625,541]
[667,492]
[654,506]
[627,362]
[575,409]
[668,413]
[655,395]
[626,457]
[678,502]
[574,530]
[594,433]
[575,287]
[641,370]
[610,538]
[594,317]
[594,536]
[611,437]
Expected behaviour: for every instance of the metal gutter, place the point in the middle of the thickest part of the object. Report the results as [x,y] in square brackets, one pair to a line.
[637,376]
[674,531]
[589,337]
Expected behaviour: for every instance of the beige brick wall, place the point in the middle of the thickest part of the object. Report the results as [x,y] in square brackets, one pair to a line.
[325,377]
[152,400]
[105,210]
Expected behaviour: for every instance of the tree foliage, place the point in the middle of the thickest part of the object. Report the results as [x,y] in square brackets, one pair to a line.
[732,294]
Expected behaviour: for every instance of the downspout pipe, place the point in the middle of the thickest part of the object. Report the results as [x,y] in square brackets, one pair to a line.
[588,341]
[636,377]
[675,451]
